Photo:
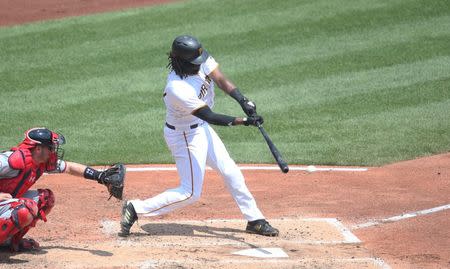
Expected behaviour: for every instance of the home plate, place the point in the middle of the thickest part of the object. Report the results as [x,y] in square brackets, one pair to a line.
[263,253]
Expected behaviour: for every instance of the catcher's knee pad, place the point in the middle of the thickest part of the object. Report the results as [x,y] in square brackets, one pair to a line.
[23,213]
[45,203]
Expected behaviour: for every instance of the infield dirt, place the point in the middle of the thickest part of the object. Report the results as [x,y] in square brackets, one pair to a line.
[82,226]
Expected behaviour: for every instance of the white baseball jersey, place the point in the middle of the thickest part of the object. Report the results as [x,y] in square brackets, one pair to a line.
[183,96]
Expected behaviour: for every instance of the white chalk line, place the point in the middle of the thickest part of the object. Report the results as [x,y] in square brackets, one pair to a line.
[263,168]
[124,242]
[380,262]
[349,237]
[248,168]
[376,261]
[401,217]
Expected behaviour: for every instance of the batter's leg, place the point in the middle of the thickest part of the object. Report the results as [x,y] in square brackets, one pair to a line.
[219,159]
[189,150]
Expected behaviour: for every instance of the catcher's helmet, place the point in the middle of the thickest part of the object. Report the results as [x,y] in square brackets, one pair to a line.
[42,136]
[189,49]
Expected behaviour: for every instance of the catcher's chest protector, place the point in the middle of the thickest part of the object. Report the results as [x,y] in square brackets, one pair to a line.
[29,173]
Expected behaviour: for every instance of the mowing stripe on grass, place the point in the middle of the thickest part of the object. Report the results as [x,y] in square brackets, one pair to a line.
[338,82]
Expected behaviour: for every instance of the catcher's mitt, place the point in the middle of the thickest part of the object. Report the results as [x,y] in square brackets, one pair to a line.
[113,178]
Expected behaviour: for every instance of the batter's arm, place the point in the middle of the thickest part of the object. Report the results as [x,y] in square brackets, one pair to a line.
[222,81]
[227,86]
[205,113]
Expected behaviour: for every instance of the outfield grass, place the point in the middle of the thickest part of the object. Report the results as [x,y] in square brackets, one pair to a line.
[362,82]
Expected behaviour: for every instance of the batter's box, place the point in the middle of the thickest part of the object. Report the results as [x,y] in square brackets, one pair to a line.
[304,243]
[232,232]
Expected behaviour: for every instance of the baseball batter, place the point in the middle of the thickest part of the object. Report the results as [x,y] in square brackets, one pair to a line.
[21,167]
[189,98]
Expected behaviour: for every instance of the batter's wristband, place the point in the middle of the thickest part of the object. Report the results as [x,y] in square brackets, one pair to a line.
[237,95]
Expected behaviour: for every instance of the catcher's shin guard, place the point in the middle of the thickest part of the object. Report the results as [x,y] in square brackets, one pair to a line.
[18,243]
[261,227]
[129,216]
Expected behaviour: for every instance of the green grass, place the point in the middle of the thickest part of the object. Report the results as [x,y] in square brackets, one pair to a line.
[354,82]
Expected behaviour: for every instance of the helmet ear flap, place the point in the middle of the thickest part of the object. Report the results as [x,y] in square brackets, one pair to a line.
[189,68]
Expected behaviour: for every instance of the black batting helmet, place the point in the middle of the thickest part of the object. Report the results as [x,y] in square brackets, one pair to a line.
[189,49]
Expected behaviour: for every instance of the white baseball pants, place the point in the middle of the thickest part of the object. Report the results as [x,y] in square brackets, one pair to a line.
[192,150]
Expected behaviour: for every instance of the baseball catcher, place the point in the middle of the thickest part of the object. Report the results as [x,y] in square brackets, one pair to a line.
[22,166]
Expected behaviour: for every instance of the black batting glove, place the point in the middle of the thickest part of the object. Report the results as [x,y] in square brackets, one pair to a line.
[247,106]
[253,120]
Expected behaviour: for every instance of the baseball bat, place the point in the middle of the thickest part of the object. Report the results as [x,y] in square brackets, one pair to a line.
[276,154]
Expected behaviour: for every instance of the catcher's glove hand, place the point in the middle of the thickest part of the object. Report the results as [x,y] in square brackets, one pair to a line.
[113,178]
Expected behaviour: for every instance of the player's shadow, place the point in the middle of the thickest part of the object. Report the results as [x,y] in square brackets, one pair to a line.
[191,230]
[9,260]
[182,229]
[96,252]
[6,254]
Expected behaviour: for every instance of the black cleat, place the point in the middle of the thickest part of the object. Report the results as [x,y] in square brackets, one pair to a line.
[261,227]
[129,216]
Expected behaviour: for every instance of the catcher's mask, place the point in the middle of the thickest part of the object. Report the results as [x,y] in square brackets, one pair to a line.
[189,49]
[44,137]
